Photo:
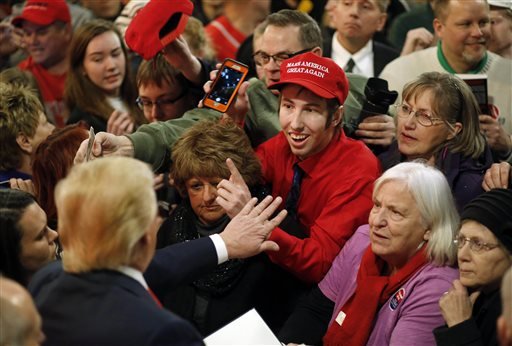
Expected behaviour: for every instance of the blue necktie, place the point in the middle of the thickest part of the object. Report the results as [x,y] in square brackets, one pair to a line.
[292,200]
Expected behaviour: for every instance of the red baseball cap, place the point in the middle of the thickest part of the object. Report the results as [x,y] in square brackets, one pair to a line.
[322,76]
[43,12]
[156,25]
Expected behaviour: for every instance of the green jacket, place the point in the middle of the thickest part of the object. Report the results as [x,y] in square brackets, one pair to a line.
[152,142]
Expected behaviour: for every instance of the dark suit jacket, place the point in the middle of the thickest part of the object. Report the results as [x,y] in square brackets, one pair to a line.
[109,308]
[382,54]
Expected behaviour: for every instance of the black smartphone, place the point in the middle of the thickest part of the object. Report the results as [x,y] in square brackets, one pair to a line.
[225,86]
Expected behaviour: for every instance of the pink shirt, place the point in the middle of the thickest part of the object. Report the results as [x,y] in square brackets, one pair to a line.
[410,315]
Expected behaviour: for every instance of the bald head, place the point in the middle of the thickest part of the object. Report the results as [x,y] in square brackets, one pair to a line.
[20,322]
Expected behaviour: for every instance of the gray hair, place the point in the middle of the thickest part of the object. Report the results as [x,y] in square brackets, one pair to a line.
[433,196]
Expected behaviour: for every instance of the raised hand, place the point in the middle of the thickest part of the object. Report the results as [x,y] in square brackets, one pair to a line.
[238,109]
[456,304]
[233,194]
[378,129]
[246,235]
[497,138]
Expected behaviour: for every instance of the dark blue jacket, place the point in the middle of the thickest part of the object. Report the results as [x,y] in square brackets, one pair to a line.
[106,307]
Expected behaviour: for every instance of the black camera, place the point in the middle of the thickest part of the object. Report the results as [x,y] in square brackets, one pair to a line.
[378,98]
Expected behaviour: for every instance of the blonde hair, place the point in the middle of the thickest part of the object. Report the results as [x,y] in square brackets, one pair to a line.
[104,208]
[20,110]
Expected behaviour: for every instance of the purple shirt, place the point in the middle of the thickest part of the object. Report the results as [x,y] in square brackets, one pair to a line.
[410,315]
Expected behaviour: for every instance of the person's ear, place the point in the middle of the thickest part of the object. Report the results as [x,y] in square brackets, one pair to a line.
[382,21]
[337,117]
[457,127]
[438,28]
[426,235]
[317,50]
[24,143]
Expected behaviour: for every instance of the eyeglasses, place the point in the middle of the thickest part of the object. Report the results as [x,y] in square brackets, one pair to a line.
[262,58]
[474,244]
[147,105]
[424,118]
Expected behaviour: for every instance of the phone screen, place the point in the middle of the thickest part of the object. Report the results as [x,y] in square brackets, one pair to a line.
[226,85]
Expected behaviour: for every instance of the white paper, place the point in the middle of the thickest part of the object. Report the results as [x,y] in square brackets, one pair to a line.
[248,329]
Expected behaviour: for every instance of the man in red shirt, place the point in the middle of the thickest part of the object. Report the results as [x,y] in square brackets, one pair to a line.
[47,34]
[335,194]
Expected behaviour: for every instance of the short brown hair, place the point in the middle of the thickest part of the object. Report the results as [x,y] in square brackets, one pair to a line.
[20,110]
[203,149]
[158,71]
[310,35]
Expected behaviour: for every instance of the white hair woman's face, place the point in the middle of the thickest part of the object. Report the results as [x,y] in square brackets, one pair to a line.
[397,229]
[481,266]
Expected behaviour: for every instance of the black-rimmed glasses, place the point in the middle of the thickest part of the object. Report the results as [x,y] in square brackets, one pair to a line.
[262,58]
[147,105]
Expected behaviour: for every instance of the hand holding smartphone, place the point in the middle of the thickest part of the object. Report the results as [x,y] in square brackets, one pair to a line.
[225,86]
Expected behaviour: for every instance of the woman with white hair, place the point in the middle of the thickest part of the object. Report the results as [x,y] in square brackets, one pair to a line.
[384,286]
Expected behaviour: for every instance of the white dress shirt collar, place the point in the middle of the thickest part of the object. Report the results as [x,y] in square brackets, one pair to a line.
[363,58]
[134,274]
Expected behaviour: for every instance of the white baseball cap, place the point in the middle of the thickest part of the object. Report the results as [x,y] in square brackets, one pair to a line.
[501,3]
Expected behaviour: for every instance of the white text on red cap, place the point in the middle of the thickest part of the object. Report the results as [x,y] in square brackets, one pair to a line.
[307,68]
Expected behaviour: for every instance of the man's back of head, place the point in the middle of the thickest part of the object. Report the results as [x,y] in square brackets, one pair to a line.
[20,323]
[104,208]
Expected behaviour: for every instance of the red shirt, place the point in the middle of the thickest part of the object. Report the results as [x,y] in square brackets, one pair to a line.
[225,38]
[52,90]
[335,199]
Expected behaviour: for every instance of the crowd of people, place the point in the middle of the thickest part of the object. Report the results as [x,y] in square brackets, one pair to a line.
[357,191]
